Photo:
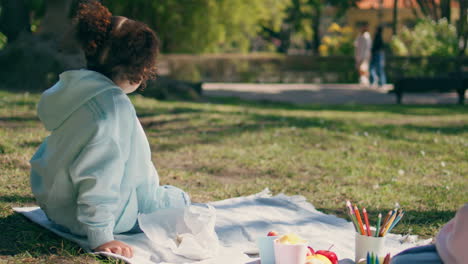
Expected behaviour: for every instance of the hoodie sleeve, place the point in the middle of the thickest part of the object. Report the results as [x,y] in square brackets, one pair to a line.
[97,175]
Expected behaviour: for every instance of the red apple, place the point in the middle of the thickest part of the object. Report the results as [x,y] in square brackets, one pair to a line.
[272,233]
[329,254]
[310,251]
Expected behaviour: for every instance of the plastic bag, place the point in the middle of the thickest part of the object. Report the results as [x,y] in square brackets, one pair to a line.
[188,232]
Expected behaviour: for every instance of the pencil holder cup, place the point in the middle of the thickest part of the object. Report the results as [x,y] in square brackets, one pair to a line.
[266,249]
[290,253]
[368,244]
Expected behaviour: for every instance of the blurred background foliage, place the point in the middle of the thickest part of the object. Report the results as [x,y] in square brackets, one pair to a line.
[3,40]
[207,26]
[338,41]
[242,26]
[239,40]
[427,38]
[219,26]
[204,26]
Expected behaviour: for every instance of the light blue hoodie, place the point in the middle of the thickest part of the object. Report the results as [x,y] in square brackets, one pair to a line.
[94,173]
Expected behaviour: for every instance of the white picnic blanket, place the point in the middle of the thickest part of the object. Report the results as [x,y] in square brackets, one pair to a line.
[239,221]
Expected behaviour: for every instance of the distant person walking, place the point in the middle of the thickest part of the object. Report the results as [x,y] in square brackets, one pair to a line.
[377,64]
[362,54]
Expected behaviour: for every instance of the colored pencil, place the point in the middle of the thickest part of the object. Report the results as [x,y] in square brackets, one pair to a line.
[386,218]
[387,259]
[368,260]
[396,218]
[350,208]
[358,216]
[382,225]
[377,259]
[396,221]
[362,224]
[356,224]
[366,220]
[386,225]
[389,223]
[377,227]
[351,215]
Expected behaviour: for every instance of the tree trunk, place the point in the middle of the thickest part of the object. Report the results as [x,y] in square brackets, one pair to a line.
[14,19]
[57,26]
[380,12]
[424,7]
[462,27]
[413,8]
[57,18]
[34,60]
[431,9]
[445,9]
[435,10]
[316,28]
[395,17]
[285,38]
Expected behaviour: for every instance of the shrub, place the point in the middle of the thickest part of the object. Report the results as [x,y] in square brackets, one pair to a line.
[338,41]
[3,40]
[427,38]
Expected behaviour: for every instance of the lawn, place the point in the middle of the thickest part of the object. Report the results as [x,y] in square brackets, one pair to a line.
[416,156]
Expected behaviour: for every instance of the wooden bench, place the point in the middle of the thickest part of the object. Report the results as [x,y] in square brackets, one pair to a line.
[454,83]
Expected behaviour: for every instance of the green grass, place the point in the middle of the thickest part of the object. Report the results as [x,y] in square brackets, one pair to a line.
[416,156]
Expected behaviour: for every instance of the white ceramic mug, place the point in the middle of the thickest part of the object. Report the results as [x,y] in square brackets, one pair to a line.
[368,244]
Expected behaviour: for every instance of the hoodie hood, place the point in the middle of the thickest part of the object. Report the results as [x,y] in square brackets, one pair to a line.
[73,89]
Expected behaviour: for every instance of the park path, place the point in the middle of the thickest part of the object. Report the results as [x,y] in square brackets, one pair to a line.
[321,94]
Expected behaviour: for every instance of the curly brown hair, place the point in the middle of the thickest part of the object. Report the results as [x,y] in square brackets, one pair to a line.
[119,48]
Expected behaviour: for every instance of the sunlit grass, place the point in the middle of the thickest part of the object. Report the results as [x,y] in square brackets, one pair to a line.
[374,155]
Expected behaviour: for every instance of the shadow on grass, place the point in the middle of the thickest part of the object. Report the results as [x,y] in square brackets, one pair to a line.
[144,112]
[148,124]
[19,118]
[211,131]
[16,199]
[423,110]
[30,144]
[30,103]
[19,235]
[12,99]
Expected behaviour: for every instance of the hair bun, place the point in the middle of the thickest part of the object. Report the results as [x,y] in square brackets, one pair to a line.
[93,22]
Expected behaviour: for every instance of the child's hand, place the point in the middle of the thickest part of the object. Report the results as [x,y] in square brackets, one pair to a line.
[116,247]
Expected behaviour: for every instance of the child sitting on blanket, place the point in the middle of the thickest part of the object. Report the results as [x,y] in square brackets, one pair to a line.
[94,174]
